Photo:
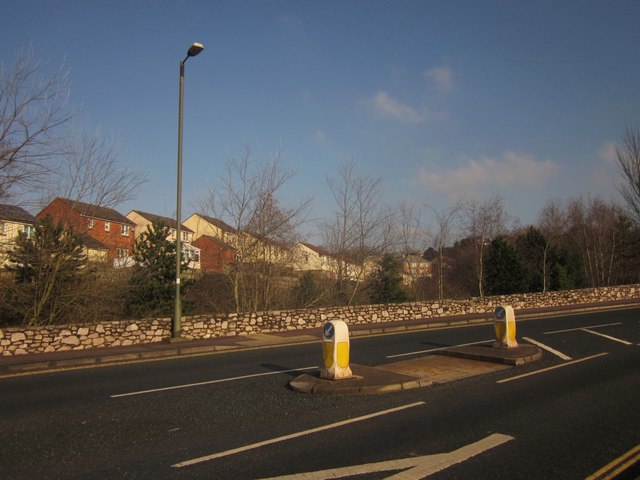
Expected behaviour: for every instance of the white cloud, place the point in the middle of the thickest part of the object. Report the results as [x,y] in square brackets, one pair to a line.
[608,154]
[387,107]
[442,77]
[606,174]
[513,170]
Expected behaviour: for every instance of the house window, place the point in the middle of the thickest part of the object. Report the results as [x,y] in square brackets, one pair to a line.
[90,223]
[28,230]
[122,252]
[185,236]
[125,230]
[107,226]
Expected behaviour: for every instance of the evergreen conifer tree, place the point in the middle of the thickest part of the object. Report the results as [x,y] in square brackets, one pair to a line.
[49,266]
[386,281]
[505,272]
[152,281]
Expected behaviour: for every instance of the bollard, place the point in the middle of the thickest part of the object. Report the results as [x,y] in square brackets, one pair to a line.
[335,349]
[505,327]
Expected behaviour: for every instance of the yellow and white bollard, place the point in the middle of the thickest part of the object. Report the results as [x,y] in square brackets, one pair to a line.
[335,349]
[505,327]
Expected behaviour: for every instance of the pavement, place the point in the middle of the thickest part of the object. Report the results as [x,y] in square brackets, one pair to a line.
[446,365]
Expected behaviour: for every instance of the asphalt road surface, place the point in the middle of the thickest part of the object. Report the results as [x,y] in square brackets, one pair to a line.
[231,415]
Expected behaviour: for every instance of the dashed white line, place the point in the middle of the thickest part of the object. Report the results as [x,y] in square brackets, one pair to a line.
[547,348]
[221,380]
[226,453]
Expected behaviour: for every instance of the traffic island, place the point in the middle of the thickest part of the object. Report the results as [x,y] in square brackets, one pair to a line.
[487,353]
[447,364]
[444,366]
[364,380]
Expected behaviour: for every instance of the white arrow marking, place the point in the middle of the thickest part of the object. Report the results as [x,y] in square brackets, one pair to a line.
[292,436]
[547,348]
[414,468]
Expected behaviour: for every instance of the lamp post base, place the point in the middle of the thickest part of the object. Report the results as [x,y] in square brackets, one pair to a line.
[178,340]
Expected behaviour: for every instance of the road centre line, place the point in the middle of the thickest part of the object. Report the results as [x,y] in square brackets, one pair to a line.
[221,380]
[606,336]
[342,423]
[582,328]
[518,377]
[437,349]
[547,348]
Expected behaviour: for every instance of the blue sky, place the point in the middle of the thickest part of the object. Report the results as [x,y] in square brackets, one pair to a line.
[442,99]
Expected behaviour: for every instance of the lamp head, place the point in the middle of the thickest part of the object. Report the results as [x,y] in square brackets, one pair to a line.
[195,49]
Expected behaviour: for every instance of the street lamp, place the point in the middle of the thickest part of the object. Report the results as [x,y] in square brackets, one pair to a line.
[176,325]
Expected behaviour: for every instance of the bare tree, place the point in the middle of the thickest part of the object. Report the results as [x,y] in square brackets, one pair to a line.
[91,172]
[629,163]
[445,220]
[412,238]
[264,230]
[33,117]
[482,222]
[593,224]
[361,227]
[552,221]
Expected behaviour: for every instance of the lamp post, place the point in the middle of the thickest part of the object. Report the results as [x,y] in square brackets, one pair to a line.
[176,325]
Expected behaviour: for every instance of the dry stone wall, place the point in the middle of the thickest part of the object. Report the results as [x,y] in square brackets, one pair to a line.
[58,338]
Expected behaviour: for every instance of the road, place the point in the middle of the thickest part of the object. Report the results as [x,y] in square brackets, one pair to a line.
[231,416]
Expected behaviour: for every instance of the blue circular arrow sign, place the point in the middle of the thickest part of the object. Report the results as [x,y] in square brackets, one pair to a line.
[328,330]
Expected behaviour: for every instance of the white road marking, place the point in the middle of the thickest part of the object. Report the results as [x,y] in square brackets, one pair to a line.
[547,348]
[221,380]
[517,377]
[413,467]
[590,328]
[436,349]
[226,453]
[580,328]
[606,336]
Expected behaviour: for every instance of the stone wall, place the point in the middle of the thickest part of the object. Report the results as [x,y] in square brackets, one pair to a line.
[20,341]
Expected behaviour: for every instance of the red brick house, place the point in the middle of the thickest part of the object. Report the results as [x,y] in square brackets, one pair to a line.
[110,228]
[215,254]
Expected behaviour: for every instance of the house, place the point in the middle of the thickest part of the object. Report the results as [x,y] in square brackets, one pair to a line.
[98,252]
[111,229]
[215,254]
[143,222]
[204,225]
[413,267]
[248,247]
[13,220]
[311,257]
